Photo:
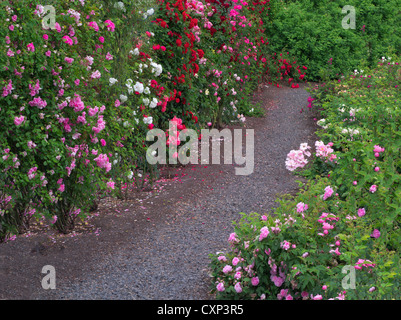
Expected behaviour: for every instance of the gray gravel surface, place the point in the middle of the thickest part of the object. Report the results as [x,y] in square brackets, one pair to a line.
[170,260]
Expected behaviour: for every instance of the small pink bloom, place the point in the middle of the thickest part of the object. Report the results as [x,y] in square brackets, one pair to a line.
[110,184]
[19,120]
[31,47]
[255,281]
[375,234]
[235,261]
[220,287]
[238,287]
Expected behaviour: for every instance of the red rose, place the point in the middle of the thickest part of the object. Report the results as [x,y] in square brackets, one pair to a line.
[201,53]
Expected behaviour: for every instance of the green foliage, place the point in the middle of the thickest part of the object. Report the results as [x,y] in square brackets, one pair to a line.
[312,31]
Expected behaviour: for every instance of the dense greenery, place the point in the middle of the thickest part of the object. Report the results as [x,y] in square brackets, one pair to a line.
[312,31]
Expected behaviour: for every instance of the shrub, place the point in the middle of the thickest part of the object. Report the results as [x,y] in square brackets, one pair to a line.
[312,31]
[348,215]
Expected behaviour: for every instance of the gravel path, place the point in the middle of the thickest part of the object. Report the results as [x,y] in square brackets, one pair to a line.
[170,260]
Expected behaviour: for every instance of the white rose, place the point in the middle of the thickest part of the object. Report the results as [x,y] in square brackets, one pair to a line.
[153,104]
[138,87]
[135,51]
[148,120]
[113,81]
[146,101]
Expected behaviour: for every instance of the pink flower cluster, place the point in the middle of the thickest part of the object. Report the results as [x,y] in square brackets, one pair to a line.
[233,237]
[296,158]
[325,151]
[279,279]
[31,173]
[364,263]
[286,245]
[19,120]
[38,102]
[324,219]
[377,150]
[264,232]
[102,161]
[8,88]
[110,25]
[34,88]
[328,192]
[284,295]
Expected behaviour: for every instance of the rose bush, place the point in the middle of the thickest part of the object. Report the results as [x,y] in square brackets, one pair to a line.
[348,215]
[79,97]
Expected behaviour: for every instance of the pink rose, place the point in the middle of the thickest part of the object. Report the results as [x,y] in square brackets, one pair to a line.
[19,120]
[255,281]
[361,212]
[375,234]
[238,287]
[373,188]
[220,287]
[31,47]
[264,232]
[235,261]
[227,269]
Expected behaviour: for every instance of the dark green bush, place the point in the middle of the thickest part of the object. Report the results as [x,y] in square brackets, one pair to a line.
[312,31]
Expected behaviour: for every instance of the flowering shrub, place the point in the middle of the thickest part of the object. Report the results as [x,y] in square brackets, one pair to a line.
[347,217]
[79,97]
[61,112]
